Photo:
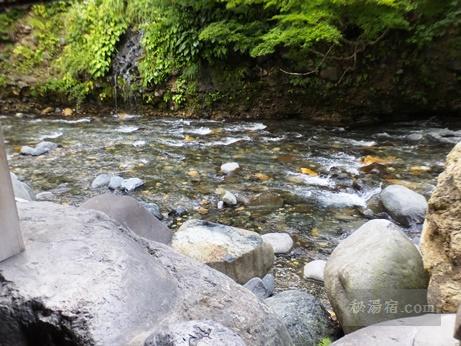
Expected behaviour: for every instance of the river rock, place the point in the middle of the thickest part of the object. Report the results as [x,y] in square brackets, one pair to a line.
[315,270]
[280,242]
[101,180]
[40,149]
[131,214]
[445,136]
[131,184]
[238,253]
[229,198]
[86,280]
[269,283]
[306,319]
[404,205]
[415,137]
[441,237]
[262,288]
[21,190]
[154,209]
[374,263]
[229,167]
[115,182]
[266,200]
[202,333]
[425,330]
[67,112]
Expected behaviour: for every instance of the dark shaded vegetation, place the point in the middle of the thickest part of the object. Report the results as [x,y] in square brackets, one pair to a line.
[241,56]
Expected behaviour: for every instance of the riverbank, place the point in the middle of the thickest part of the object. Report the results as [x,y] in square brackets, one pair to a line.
[403,75]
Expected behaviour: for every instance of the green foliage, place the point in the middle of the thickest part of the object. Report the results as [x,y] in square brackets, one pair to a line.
[45,24]
[3,80]
[75,41]
[94,29]
[435,19]
[171,45]
[7,19]
[325,342]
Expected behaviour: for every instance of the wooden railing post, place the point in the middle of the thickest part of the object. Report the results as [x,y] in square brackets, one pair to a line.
[11,242]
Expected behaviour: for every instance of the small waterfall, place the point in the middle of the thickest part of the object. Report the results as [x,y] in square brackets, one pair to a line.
[125,72]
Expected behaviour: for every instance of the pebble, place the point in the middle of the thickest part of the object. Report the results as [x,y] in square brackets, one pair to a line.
[229,167]
[229,198]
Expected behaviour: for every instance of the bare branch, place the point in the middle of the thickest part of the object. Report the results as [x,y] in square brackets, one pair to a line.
[316,70]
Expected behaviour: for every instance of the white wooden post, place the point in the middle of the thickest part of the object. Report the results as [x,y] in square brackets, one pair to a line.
[11,242]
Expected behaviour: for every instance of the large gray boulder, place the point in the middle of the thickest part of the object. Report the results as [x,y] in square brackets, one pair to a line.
[21,190]
[425,330]
[131,214]
[377,262]
[404,205]
[239,253]
[305,317]
[86,280]
[203,333]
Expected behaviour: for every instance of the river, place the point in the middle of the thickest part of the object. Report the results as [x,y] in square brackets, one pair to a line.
[316,181]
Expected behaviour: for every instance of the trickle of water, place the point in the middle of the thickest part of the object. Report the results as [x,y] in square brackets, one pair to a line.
[125,67]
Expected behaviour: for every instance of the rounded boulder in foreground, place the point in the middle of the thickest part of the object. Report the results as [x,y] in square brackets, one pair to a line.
[378,262]
[236,252]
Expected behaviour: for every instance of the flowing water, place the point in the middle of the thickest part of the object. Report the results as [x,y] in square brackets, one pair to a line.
[322,176]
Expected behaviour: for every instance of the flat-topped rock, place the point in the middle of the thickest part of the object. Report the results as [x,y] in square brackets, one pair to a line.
[238,253]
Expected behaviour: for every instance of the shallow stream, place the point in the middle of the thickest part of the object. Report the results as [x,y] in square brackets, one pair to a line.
[316,181]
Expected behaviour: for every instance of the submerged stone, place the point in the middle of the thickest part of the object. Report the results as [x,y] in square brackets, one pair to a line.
[40,149]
